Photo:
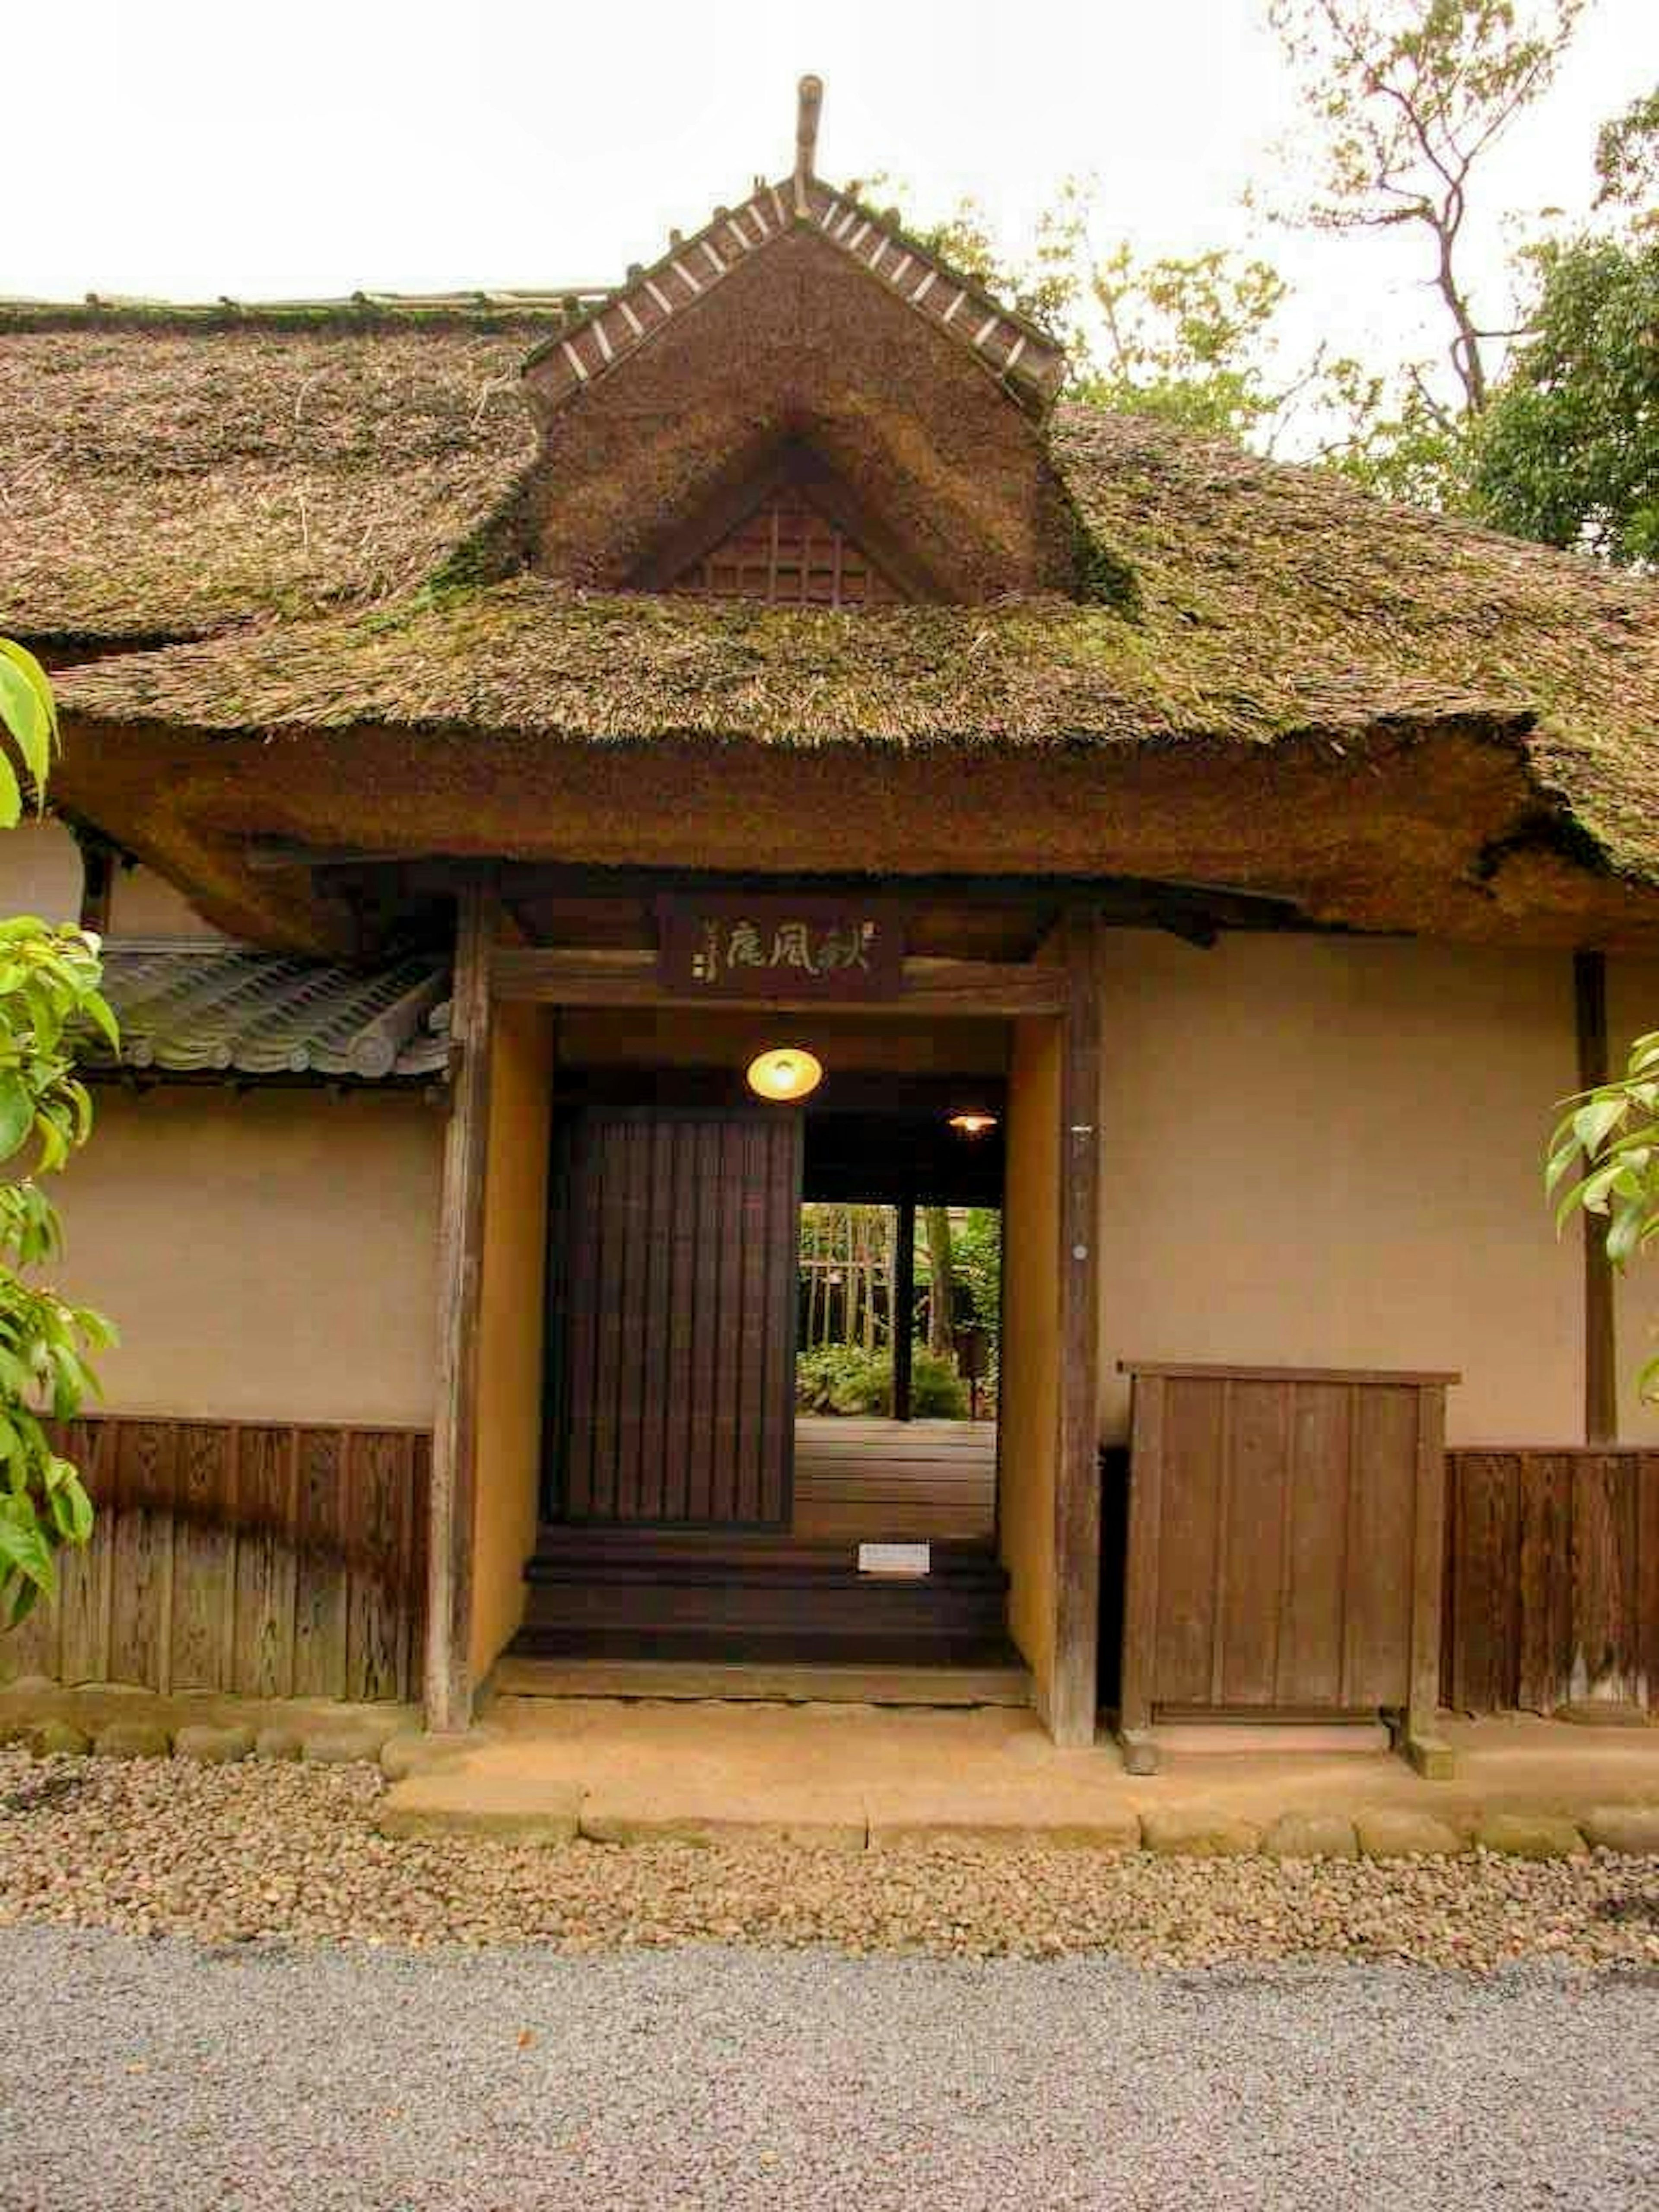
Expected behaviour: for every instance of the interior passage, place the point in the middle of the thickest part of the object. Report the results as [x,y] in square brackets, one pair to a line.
[862,1480]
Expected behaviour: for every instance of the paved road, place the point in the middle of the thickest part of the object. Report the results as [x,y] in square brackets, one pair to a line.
[136,2074]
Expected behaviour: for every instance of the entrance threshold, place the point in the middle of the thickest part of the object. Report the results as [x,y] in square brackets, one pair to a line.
[778,1682]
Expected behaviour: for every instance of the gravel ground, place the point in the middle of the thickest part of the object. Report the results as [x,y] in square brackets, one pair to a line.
[230,1854]
[159,2074]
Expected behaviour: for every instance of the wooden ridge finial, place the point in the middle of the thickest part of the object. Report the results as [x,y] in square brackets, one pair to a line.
[810,95]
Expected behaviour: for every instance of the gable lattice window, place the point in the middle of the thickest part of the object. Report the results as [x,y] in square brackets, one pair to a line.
[788,553]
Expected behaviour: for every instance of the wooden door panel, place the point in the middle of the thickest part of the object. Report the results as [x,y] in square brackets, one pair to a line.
[672,1337]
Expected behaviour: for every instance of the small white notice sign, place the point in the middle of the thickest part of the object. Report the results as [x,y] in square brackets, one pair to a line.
[896,1559]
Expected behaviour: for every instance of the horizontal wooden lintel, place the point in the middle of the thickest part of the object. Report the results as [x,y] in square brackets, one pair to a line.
[1220,1371]
[631,979]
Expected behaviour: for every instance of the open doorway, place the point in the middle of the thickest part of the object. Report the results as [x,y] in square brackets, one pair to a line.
[899,1319]
[773,1372]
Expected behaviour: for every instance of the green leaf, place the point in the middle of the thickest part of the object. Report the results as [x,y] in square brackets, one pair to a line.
[1593,1123]
[35,725]
[11,797]
[16,1114]
[97,1008]
[76,1505]
[23,1547]
[18,1598]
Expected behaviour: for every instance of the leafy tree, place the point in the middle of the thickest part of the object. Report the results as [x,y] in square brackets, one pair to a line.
[1190,339]
[941,1280]
[979,1266]
[1568,449]
[49,988]
[1627,158]
[1410,95]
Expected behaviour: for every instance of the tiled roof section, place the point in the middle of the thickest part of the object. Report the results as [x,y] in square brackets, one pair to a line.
[189,1007]
[1025,357]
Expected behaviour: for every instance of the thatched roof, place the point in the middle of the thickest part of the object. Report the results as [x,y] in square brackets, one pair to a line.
[299,488]
[164,474]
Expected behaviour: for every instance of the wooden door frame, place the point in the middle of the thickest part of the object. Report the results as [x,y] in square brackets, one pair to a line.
[488,971]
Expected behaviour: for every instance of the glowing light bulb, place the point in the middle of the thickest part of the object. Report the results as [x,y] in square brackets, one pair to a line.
[786,1072]
[973,1121]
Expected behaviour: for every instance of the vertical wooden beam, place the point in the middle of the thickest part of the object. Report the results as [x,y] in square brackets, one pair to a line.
[1072,1690]
[904,1299]
[448,1683]
[1422,1747]
[1589,995]
[1135,1720]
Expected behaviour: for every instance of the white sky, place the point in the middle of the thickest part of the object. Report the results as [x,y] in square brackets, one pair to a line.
[183,149]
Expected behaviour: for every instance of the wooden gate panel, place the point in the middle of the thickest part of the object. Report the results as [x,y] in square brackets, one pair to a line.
[1316,1541]
[1249,1572]
[673,1336]
[1286,1543]
[1194,1427]
[1382,1529]
[679,1429]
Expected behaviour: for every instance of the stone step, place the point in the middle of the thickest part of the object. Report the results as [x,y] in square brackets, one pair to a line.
[791,1683]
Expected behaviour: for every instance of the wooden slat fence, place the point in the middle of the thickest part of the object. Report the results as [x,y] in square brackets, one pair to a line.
[1552,1578]
[266,1560]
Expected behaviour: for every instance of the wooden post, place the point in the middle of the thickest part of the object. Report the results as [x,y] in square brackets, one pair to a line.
[1590,994]
[1135,1720]
[808,97]
[448,1674]
[1072,1693]
[904,1299]
[1426,1751]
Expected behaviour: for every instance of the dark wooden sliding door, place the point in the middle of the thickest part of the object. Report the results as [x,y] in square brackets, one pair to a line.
[672,1295]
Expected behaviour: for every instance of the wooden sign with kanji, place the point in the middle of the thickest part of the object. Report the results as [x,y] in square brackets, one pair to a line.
[729,944]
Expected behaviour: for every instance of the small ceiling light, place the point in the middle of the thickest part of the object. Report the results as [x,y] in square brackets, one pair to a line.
[784,1073]
[973,1121]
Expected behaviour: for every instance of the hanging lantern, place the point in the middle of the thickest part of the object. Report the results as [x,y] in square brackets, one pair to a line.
[973,1121]
[784,1073]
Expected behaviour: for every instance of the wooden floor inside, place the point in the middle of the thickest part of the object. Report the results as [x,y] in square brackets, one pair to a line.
[859,1481]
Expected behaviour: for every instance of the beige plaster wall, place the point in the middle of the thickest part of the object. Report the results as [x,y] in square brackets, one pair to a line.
[1029,1406]
[510,1326]
[41,871]
[1633,1011]
[1327,1151]
[267,1257]
[144,904]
